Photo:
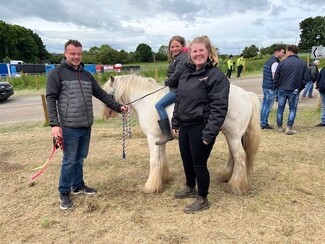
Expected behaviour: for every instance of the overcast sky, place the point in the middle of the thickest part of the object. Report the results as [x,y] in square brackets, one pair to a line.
[124,24]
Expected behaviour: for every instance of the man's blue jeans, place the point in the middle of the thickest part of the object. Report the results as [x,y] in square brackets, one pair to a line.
[76,146]
[322,96]
[293,99]
[267,104]
[308,89]
[164,102]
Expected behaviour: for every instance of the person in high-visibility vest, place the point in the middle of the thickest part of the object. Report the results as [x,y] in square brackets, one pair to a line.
[230,64]
[240,64]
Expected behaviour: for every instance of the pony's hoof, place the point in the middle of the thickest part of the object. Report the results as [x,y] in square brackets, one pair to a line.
[235,190]
[151,190]
[221,178]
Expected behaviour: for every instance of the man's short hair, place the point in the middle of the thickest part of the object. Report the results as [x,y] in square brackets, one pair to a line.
[293,48]
[278,48]
[73,43]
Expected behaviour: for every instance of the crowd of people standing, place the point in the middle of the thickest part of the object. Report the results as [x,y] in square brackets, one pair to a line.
[240,63]
[285,76]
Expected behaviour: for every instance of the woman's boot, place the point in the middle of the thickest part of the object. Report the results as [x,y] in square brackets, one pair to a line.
[199,204]
[166,132]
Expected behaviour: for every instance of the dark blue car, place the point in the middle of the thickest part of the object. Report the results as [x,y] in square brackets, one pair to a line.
[6,90]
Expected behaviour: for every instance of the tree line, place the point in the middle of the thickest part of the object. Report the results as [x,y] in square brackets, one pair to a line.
[17,42]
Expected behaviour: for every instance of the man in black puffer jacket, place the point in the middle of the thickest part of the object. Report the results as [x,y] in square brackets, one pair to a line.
[290,78]
[69,91]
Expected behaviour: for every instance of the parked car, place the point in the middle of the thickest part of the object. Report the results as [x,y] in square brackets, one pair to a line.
[6,90]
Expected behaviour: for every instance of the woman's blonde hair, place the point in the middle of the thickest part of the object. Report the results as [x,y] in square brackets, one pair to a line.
[213,55]
[180,39]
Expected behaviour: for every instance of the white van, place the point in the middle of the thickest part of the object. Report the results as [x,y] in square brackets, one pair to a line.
[16,62]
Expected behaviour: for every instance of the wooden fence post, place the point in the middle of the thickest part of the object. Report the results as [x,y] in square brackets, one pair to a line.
[45,109]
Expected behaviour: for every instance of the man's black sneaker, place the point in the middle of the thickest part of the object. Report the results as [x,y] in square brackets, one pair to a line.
[65,201]
[267,127]
[84,189]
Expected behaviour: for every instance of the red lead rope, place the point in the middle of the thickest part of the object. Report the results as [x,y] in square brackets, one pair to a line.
[57,142]
[43,167]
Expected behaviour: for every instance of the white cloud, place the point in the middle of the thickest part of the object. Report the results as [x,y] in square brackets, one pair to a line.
[124,24]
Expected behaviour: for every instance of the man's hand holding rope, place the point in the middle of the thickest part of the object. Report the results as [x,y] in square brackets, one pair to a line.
[124,109]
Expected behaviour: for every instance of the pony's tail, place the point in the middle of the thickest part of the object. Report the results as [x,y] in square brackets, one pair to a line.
[252,137]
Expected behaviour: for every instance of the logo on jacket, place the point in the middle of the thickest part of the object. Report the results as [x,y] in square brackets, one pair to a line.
[204,78]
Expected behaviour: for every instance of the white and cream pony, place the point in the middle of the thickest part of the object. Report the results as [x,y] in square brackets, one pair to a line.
[241,129]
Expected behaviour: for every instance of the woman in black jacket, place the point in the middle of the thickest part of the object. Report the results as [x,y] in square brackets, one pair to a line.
[199,113]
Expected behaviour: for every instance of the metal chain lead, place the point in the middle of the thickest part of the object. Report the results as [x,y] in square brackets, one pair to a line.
[123,136]
[126,130]
[129,123]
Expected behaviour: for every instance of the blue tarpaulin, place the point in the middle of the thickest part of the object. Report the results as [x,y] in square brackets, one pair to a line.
[4,70]
[90,68]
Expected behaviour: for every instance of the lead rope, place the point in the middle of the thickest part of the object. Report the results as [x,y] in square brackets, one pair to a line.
[126,130]
[127,121]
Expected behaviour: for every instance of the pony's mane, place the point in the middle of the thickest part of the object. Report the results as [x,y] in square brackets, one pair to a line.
[135,84]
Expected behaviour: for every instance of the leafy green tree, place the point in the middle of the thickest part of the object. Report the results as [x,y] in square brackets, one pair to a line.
[17,42]
[270,49]
[8,41]
[43,54]
[161,55]
[56,58]
[250,52]
[89,58]
[123,57]
[131,57]
[93,50]
[26,47]
[312,33]
[4,40]
[143,53]
[105,54]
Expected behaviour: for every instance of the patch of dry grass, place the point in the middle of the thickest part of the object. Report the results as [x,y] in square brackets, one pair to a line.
[285,203]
